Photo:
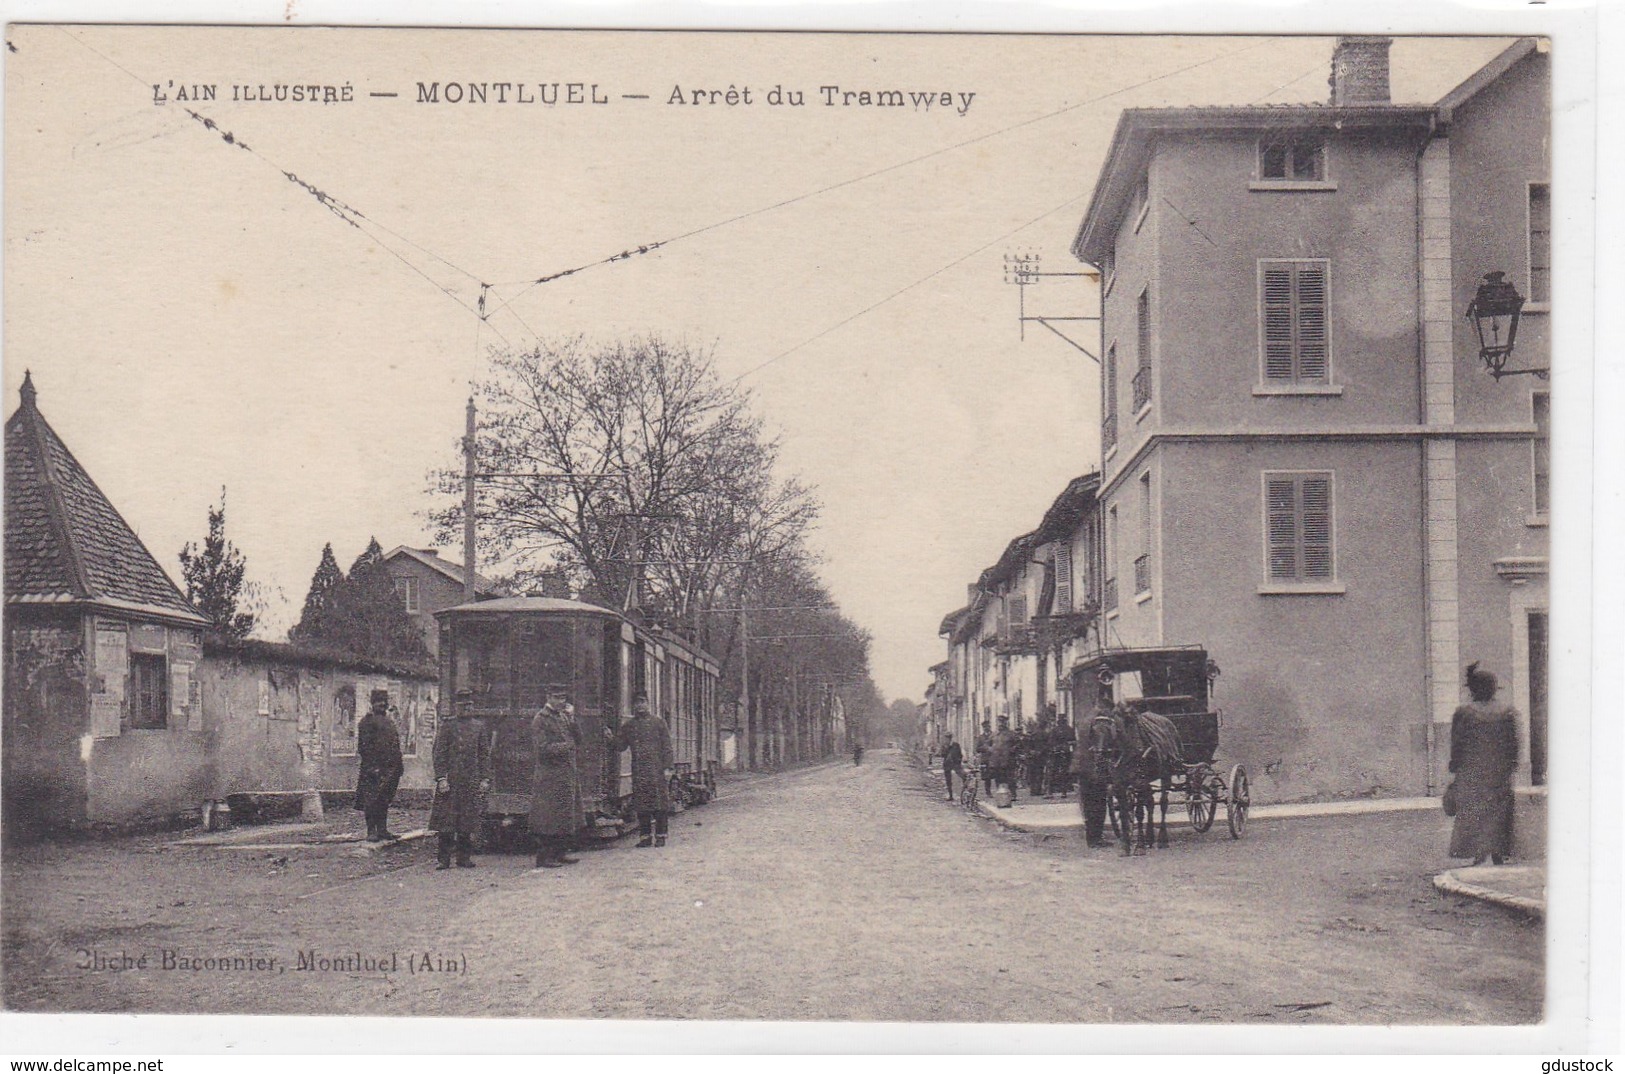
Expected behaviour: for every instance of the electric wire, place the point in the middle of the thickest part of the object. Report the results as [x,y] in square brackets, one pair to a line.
[737,217]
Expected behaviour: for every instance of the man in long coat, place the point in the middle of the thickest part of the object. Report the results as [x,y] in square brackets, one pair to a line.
[982,750]
[555,790]
[1002,756]
[462,778]
[379,746]
[1092,787]
[647,736]
[953,760]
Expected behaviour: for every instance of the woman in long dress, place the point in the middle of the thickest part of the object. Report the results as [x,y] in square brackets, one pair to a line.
[1483,756]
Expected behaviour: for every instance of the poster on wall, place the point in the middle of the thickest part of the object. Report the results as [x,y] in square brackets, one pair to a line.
[343,735]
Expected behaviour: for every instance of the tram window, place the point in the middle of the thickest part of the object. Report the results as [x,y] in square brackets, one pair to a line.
[541,658]
[482,661]
[589,674]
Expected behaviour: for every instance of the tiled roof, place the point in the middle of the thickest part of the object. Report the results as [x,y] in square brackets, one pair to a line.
[64,541]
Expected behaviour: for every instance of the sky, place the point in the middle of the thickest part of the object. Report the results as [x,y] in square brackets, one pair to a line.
[194,320]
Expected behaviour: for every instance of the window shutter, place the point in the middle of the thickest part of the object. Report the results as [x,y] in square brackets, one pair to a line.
[1278,322]
[1282,522]
[1317,527]
[1063,579]
[1143,342]
[1311,317]
[1018,611]
[1110,380]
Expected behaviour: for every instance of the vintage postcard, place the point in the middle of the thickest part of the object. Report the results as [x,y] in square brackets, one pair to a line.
[865,527]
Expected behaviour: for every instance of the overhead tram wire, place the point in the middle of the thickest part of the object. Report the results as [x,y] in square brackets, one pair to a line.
[344,211]
[351,215]
[903,290]
[529,285]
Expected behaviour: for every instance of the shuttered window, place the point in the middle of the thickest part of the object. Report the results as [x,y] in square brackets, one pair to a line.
[1063,579]
[1298,523]
[1540,242]
[1018,611]
[1295,332]
[1541,402]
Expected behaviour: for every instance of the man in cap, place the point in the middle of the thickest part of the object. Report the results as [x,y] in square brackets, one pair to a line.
[555,793]
[379,746]
[462,778]
[649,739]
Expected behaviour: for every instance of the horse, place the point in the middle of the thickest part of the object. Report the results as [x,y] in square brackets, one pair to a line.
[1131,750]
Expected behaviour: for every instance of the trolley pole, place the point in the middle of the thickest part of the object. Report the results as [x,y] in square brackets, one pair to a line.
[749,742]
[469,450]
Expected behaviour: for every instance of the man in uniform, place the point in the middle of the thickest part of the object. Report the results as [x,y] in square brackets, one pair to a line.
[462,778]
[1061,741]
[555,795]
[649,739]
[379,746]
[953,760]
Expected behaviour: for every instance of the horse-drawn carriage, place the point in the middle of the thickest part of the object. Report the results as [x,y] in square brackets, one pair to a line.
[1114,689]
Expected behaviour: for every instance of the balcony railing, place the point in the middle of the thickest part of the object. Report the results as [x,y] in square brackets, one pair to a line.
[1108,432]
[1142,574]
[1109,597]
[1142,387]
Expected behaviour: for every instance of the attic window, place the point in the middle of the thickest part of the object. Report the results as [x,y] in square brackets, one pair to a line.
[1293,160]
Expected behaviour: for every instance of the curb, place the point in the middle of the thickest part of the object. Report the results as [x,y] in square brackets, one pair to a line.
[1451,884]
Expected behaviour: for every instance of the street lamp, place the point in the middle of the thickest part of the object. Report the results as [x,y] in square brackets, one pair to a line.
[1494,311]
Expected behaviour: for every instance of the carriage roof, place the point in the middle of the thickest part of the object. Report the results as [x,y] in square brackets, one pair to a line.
[554,605]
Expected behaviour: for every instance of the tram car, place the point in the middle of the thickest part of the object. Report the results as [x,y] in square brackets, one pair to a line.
[511,653]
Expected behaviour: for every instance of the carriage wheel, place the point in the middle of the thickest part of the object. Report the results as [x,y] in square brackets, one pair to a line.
[1111,813]
[1202,798]
[1239,802]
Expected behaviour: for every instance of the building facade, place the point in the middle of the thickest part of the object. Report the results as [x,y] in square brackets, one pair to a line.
[1306,468]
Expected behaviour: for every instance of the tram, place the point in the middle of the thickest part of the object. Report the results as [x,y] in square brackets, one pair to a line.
[512,652]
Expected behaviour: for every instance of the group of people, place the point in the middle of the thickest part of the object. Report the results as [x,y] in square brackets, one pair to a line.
[463,761]
[1483,760]
[1039,755]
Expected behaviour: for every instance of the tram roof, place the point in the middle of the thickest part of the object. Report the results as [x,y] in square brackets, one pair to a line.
[529,604]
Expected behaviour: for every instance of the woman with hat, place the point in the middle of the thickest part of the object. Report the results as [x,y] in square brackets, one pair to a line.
[1483,756]
[378,745]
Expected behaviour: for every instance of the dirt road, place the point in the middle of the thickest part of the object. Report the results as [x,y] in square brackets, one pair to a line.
[838,892]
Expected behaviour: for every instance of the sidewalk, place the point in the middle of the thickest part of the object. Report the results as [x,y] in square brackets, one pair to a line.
[1517,887]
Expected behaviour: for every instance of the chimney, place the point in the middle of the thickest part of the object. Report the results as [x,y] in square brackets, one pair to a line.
[1360,71]
[435,552]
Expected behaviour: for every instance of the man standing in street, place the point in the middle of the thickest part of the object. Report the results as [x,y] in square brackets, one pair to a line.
[379,746]
[1002,755]
[555,794]
[953,760]
[1092,790]
[647,736]
[983,749]
[462,778]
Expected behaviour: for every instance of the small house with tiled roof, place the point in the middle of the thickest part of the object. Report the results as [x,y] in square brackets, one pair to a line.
[100,645]
[120,706]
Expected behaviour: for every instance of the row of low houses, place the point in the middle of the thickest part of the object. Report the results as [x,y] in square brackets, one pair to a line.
[120,707]
[1306,467]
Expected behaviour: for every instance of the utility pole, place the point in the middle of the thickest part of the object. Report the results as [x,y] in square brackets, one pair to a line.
[749,743]
[469,450]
